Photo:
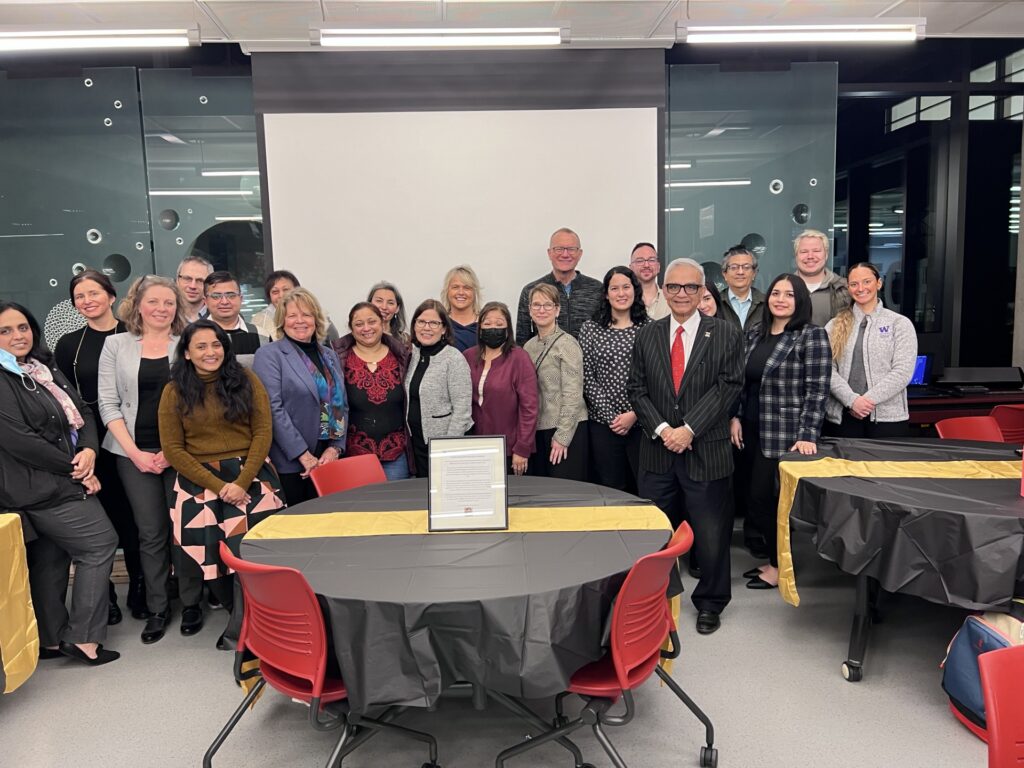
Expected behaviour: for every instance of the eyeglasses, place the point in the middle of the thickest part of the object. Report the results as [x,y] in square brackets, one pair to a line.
[740,268]
[229,295]
[191,280]
[642,262]
[542,307]
[689,288]
[560,249]
[431,324]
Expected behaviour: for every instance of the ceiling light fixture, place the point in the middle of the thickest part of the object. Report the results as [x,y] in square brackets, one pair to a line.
[230,173]
[711,183]
[679,166]
[452,37]
[842,31]
[26,39]
[198,192]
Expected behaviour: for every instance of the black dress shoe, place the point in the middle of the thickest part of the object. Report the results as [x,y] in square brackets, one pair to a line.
[191,619]
[758,583]
[694,570]
[707,622]
[103,656]
[223,644]
[753,573]
[136,600]
[156,625]
[49,653]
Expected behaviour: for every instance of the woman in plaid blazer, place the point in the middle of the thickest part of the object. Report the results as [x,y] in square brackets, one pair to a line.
[781,407]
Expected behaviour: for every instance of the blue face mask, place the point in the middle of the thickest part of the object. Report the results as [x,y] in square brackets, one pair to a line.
[10,363]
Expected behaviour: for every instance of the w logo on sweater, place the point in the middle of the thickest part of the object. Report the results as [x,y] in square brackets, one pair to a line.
[884,330]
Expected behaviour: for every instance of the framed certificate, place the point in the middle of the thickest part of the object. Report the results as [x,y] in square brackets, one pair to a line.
[468,484]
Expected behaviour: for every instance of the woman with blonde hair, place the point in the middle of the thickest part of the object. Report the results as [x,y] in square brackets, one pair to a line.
[307,394]
[134,367]
[460,296]
[873,354]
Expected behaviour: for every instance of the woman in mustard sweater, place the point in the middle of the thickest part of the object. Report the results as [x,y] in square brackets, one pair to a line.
[215,430]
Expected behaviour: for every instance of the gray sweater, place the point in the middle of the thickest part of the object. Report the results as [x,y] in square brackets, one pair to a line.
[890,352]
[446,393]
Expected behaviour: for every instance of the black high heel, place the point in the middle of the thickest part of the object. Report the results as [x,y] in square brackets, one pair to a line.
[103,656]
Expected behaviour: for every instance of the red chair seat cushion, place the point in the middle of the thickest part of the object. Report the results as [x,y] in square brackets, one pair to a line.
[300,688]
[599,678]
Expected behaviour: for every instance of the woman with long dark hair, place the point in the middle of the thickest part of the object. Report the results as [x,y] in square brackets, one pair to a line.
[77,354]
[215,430]
[874,351]
[607,343]
[782,404]
[48,448]
[389,301]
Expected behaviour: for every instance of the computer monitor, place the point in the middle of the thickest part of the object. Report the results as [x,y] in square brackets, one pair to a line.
[922,370]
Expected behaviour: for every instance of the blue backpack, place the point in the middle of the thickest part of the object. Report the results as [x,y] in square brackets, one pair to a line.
[961,680]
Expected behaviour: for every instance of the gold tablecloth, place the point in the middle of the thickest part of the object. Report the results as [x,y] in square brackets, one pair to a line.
[19,635]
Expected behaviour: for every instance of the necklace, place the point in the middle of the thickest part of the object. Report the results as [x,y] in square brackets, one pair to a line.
[74,368]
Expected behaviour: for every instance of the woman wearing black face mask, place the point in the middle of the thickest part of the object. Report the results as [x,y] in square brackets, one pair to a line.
[504,386]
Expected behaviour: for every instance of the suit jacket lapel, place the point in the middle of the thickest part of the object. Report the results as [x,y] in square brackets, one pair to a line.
[700,344]
[781,351]
[661,351]
[300,369]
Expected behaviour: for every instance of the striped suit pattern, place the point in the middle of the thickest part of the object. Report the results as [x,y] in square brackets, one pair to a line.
[694,484]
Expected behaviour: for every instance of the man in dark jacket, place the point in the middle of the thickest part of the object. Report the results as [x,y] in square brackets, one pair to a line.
[579,296]
[742,304]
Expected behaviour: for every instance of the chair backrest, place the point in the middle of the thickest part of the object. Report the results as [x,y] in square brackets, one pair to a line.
[348,473]
[1002,673]
[641,619]
[1010,419]
[282,623]
[983,428]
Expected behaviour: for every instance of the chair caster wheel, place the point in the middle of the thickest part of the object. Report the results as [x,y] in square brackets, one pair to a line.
[852,672]
[708,757]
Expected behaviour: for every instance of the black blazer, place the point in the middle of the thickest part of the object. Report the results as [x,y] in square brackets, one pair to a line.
[711,382]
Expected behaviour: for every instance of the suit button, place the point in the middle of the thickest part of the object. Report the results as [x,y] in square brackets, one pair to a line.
[675,407]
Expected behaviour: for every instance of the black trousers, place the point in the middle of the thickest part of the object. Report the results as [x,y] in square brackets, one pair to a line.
[762,491]
[572,467]
[866,428]
[296,488]
[115,504]
[740,493]
[614,459]
[705,506]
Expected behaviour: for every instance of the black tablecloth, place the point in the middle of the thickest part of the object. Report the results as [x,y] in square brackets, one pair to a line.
[411,614]
[941,531]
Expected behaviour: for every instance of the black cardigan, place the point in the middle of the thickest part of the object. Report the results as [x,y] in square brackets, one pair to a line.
[35,444]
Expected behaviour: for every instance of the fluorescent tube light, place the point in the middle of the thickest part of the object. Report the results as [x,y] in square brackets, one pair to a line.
[841,31]
[674,210]
[238,218]
[24,39]
[711,183]
[452,37]
[230,173]
[679,166]
[198,192]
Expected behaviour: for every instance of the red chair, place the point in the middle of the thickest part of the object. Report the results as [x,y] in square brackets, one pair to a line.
[641,621]
[983,428]
[1002,673]
[282,626]
[345,474]
[1011,422]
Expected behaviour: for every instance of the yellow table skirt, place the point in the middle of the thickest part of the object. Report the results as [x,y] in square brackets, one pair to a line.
[19,635]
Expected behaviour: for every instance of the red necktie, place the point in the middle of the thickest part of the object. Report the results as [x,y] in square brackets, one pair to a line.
[678,359]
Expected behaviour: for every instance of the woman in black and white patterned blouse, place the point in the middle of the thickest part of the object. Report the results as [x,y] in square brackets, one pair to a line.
[607,343]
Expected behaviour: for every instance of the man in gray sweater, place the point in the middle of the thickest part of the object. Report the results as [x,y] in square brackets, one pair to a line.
[579,295]
[829,295]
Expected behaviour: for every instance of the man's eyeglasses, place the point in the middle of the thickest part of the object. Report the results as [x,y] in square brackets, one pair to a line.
[542,307]
[229,295]
[740,268]
[560,249]
[431,324]
[690,289]
[191,280]
[642,262]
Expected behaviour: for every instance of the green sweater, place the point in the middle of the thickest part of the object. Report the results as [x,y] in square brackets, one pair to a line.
[205,435]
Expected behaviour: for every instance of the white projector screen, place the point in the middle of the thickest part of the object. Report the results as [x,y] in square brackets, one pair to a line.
[356,198]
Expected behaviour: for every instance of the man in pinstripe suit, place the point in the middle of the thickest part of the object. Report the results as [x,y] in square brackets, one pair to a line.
[686,374]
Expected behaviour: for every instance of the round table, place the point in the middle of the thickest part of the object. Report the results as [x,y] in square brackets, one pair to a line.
[412,612]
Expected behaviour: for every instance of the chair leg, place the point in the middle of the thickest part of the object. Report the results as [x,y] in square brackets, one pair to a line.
[527,714]
[559,714]
[335,758]
[426,738]
[549,735]
[609,748]
[709,729]
[235,717]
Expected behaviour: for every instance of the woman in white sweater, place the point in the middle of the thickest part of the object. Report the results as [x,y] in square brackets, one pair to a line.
[873,354]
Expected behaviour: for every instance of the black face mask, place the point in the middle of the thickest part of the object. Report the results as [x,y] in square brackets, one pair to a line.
[493,337]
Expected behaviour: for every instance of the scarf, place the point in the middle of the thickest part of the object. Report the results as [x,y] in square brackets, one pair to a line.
[332,399]
[41,374]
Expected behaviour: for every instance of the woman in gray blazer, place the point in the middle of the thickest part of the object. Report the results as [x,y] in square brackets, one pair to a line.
[133,369]
[439,393]
[307,394]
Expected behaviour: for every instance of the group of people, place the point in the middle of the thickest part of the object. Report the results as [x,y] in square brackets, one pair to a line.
[208,423]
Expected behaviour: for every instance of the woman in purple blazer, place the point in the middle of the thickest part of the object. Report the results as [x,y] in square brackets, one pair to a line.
[504,386]
[307,394]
